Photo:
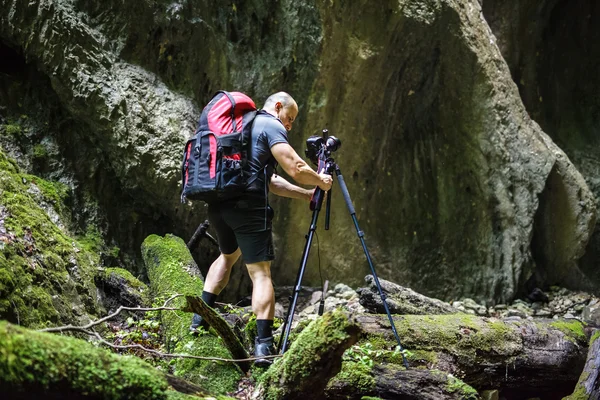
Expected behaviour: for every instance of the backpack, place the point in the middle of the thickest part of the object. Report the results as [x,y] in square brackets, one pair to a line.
[215,160]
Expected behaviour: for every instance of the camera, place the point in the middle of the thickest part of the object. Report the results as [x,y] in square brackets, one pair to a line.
[317,146]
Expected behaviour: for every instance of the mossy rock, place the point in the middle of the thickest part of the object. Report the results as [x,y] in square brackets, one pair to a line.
[122,288]
[46,275]
[36,364]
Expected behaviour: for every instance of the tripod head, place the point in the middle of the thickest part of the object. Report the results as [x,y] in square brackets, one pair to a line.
[318,150]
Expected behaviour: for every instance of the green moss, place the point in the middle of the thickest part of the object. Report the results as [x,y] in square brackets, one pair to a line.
[250,329]
[33,362]
[212,376]
[573,330]
[464,391]
[131,280]
[8,165]
[168,261]
[465,336]
[333,330]
[92,240]
[36,256]
[173,395]
[580,393]
[54,193]
[13,130]
[40,152]
[356,375]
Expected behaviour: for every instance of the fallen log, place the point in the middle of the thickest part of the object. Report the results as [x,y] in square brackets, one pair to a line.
[588,386]
[511,355]
[390,381]
[400,300]
[312,359]
[42,365]
[171,270]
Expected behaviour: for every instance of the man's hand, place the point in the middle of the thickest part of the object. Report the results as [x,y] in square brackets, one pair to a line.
[326,181]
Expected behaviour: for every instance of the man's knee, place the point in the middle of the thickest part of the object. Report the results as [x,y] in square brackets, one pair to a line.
[260,269]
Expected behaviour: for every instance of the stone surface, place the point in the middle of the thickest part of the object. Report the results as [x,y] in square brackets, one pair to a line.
[549,47]
[459,192]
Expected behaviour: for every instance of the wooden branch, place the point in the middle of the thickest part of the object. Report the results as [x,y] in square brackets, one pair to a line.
[170,355]
[84,328]
[231,341]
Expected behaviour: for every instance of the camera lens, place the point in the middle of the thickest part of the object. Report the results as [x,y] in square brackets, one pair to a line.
[333,143]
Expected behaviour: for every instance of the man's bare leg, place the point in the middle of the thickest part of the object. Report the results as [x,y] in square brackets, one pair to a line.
[220,271]
[215,281]
[263,305]
[263,296]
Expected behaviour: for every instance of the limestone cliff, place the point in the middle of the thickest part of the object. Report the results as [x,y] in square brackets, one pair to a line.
[451,179]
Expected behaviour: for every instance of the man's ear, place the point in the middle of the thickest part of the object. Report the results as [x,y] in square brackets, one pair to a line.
[278,106]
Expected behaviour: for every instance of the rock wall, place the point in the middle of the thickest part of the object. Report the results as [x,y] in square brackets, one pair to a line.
[550,49]
[448,173]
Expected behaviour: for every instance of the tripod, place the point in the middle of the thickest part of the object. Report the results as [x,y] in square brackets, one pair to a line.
[328,165]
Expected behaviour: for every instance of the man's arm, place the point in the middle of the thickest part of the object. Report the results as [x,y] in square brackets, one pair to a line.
[281,187]
[297,168]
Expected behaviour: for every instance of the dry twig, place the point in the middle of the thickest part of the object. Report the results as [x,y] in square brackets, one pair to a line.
[122,308]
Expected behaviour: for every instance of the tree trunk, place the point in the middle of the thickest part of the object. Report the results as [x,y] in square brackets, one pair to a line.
[172,270]
[588,386]
[511,355]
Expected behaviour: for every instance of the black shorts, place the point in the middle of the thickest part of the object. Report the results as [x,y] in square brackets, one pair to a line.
[245,223]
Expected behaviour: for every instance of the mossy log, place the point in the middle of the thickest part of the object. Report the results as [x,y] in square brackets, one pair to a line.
[400,300]
[390,381]
[312,359]
[486,353]
[41,365]
[588,386]
[172,270]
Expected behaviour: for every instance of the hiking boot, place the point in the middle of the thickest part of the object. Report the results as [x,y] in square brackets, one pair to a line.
[264,347]
[197,322]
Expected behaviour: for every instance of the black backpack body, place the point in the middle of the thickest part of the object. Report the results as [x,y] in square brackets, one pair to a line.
[215,160]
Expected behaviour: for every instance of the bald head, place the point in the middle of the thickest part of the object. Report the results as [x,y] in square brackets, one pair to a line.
[282,97]
[282,106]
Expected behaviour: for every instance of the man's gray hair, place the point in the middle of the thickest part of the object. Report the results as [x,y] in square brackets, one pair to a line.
[285,99]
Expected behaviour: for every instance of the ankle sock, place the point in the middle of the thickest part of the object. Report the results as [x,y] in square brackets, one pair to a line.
[264,327]
[209,298]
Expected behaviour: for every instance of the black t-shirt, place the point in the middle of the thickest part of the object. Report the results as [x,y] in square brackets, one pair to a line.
[266,132]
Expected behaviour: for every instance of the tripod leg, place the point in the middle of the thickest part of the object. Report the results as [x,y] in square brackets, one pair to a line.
[361,235]
[298,285]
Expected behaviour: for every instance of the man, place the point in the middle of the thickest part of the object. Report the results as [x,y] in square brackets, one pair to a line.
[243,225]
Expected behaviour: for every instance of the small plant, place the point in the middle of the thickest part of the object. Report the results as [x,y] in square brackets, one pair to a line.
[362,354]
[366,354]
